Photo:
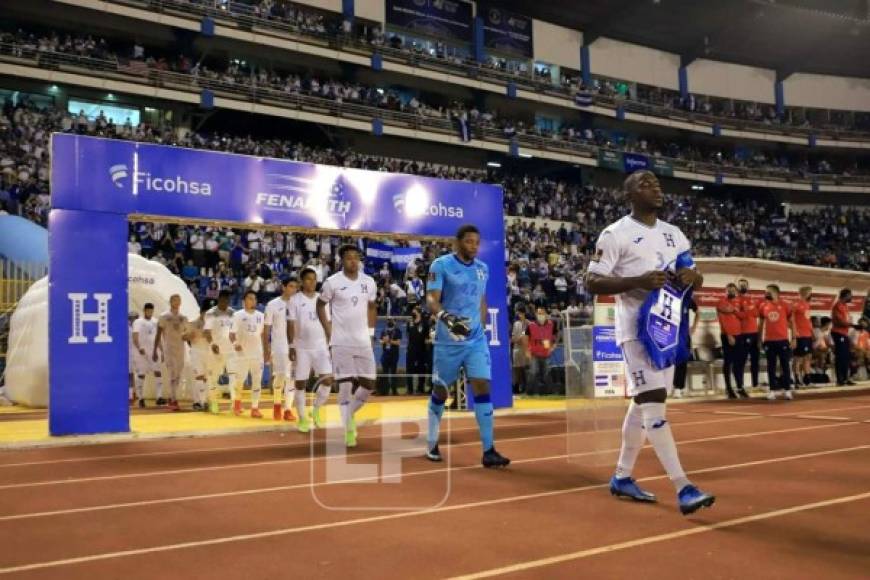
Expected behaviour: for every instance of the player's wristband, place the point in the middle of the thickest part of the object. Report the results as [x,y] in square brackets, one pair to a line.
[371,332]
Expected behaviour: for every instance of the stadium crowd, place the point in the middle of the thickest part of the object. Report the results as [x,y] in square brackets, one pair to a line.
[235,74]
[827,236]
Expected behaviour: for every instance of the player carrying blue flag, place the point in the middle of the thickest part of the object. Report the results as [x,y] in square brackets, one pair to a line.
[456,295]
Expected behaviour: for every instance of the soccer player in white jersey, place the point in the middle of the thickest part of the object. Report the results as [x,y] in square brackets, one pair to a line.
[217,325]
[634,256]
[201,362]
[171,327]
[310,348]
[350,295]
[144,333]
[278,349]
[131,318]
[249,341]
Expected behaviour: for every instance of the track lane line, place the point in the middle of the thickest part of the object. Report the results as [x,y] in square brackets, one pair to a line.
[281,488]
[532,564]
[395,516]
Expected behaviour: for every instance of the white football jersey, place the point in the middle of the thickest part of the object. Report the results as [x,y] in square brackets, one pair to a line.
[349,304]
[629,248]
[276,318]
[147,331]
[219,323]
[309,333]
[248,328]
[197,332]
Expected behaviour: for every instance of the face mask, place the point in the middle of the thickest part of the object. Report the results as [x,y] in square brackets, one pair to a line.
[744,290]
[768,296]
[732,295]
[541,318]
[391,326]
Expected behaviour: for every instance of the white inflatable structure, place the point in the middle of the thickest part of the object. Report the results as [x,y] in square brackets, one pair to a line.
[27,360]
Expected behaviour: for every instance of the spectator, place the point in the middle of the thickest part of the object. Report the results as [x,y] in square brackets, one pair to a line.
[391,338]
[842,323]
[542,337]
[519,352]
[416,357]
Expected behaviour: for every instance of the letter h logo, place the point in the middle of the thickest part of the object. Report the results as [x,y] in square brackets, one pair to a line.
[638,378]
[669,241]
[79,317]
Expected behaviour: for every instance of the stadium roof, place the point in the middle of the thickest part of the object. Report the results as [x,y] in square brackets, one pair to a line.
[781,36]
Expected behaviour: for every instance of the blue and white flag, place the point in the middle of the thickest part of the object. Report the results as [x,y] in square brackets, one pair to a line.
[404,256]
[663,321]
[379,252]
[583,99]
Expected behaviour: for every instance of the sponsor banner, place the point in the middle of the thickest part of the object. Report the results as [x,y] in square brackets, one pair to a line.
[610,159]
[662,167]
[99,182]
[505,31]
[635,162]
[607,363]
[444,18]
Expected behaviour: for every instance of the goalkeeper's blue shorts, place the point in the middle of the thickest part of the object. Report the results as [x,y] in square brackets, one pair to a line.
[473,355]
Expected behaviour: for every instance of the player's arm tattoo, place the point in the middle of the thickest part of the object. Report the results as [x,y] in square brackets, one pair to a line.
[324,322]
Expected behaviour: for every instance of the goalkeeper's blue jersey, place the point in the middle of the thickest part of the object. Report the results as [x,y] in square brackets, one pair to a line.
[462,287]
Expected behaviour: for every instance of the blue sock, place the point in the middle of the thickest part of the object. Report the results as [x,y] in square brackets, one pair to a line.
[436,410]
[483,413]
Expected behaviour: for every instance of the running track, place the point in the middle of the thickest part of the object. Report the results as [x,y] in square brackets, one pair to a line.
[791,480]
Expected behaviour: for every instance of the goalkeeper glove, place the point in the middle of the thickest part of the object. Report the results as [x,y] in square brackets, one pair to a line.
[459,328]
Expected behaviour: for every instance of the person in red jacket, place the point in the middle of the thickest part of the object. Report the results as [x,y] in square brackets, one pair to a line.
[802,330]
[840,333]
[543,335]
[731,330]
[749,330]
[774,330]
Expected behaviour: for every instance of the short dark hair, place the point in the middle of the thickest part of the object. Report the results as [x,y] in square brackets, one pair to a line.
[743,280]
[465,230]
[730,284]
[306,271]
[147,306]
[632,181]
[206,305]
[288,280]
[826,320]
[845,292]
[225,294]
[775,287]
[345,248]
[249,292]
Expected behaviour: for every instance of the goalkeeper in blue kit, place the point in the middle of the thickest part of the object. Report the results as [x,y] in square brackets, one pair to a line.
[456,295]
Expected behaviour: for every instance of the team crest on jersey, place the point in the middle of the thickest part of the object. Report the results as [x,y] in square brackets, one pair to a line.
[481,275]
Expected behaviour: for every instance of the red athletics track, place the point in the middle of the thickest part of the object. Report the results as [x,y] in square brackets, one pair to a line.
[791,479]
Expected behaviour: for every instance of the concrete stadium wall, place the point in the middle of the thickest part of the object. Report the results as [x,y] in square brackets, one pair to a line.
[827,92]
[731,81]
[622,60]
[557,45]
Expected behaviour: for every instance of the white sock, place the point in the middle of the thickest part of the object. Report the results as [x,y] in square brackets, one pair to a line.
[255,397]
[323,392]
[140,386]
[658,431]
[345,390]
[633,436]
[289,396]
[359,399]
[201,391]
[158,386]
[300,404]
